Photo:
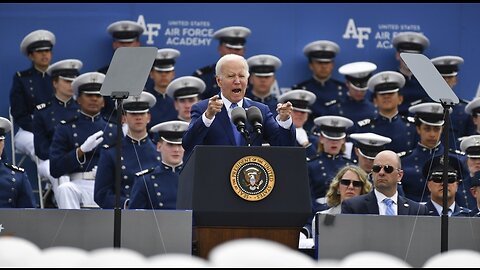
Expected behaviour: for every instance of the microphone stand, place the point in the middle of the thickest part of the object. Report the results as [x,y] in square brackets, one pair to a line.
[444,219]
[117,220]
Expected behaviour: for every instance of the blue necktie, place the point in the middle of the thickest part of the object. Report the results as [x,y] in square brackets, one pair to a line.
[236,133]
[389,203]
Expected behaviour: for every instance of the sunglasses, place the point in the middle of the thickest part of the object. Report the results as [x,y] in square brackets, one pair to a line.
[347,182]
[438,179]
[386,168]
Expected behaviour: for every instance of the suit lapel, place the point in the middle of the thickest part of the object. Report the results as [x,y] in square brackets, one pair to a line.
[403,206]
[372,203]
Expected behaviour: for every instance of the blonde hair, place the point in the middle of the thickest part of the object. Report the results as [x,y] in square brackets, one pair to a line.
[333,194]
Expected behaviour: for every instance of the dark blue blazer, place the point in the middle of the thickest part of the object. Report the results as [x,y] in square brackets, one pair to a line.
[220,131]
[367,204]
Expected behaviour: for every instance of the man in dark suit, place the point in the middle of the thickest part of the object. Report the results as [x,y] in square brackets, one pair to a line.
[211,124]
[384,199]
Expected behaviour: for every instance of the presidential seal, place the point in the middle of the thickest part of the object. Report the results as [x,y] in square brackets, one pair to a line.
[252,178]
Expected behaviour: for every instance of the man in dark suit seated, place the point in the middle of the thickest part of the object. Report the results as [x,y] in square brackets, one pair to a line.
[211,124]
[384,199]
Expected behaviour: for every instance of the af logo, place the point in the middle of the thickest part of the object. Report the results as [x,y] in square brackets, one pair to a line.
[150,30]
[252,178]
[359,33]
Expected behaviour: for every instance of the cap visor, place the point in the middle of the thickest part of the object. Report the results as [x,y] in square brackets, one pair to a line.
[333,135]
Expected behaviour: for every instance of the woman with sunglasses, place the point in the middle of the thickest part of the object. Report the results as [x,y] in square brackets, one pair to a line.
[349,182]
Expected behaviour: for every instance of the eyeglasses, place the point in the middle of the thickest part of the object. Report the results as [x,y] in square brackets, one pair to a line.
[438,179]
[347,182]
[386,168]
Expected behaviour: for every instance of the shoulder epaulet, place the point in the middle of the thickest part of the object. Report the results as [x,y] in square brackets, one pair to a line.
[364,122]
[203,70]
[464,210]
[404,153]
[42,106]
[111,120]
[24,73]
[410,119]
[15,168]
[338,82]
[330,103]
[418,101]
[310,158]
[456,151]
[301,85]
[68,121]
[140,173]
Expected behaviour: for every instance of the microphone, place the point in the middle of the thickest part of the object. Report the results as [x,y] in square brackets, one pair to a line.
[239,117]
[255,118]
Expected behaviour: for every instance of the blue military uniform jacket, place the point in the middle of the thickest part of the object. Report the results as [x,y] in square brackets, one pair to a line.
[207,74]
[136,156]
[321,171]
[399,129]
[458,211]
[46,117]
[325,92]
[163,110]
[271,101]
[220,131]
[354,110]
[30,88]
[156,188]
[15,188]
[461,124]
[413,181]
[367,204]
[71,135]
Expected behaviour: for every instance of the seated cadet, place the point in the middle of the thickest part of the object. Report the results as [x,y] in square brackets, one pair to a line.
[366,147]
[386,96]
[429,125]
[301,101]
[232,40]
[321,61]
[356,104]
[156,187]
[162,74]
[412,91]
[473,109]
[331,145]
[185,92]
[475,190]
[15,188]
[470,146]
[124,34]
[262,77]
[138,153]
[48,115]
[433,172]
[74,146]
[384,198]
[461,123]
[31,87]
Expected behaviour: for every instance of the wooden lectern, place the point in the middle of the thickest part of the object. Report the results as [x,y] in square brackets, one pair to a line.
[245,192]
